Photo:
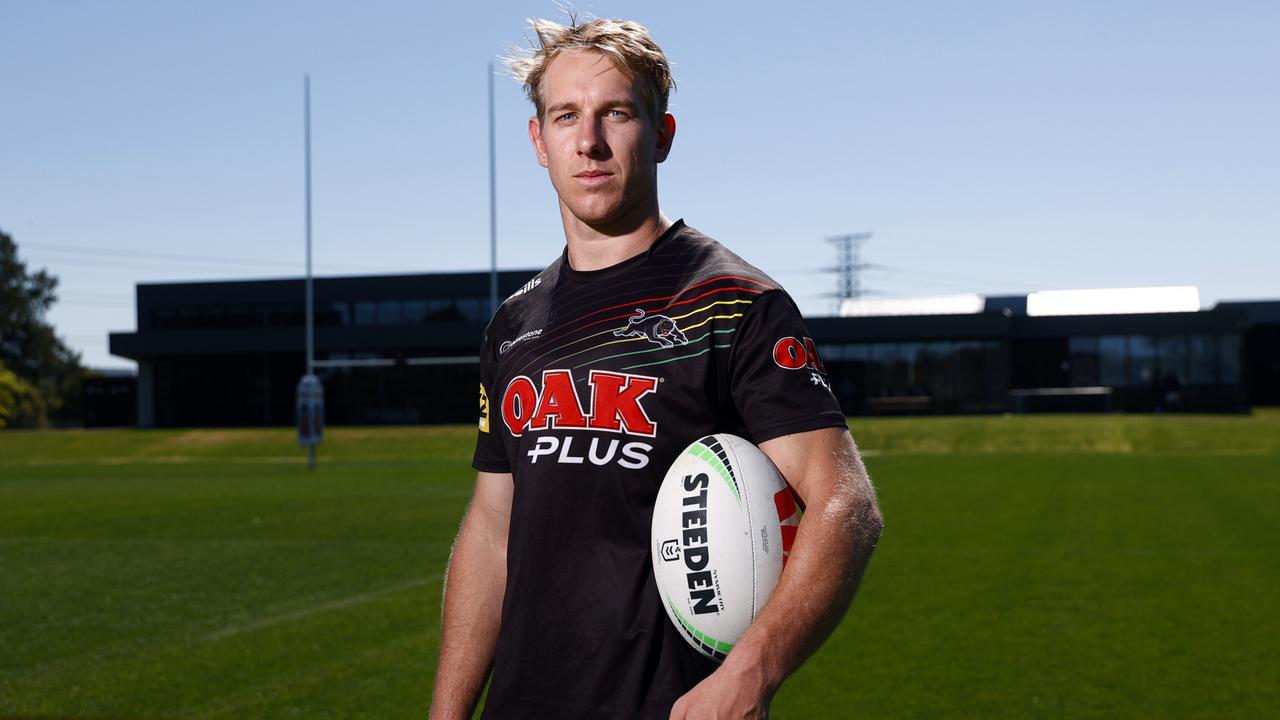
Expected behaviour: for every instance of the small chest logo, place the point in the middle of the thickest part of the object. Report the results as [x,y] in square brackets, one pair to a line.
[657,329]
[504,347]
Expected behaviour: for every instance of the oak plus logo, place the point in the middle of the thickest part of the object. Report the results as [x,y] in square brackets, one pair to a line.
[657,329]
[791,353]
[555,409]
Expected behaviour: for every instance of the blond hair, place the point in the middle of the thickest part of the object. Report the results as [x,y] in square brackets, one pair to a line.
[624,42]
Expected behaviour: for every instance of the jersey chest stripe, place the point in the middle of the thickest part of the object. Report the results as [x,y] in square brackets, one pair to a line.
[591,296]
[569,331]
[698,339]
[709,319]
[677,359]
[766,286]
[687,328]
[711,305]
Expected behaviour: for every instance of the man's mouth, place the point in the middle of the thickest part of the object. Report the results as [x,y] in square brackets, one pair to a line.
[593,178]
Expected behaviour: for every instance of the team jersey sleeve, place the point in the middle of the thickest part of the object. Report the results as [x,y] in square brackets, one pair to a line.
[778,382]
[490,454]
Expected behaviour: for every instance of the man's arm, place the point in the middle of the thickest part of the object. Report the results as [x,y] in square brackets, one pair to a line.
[837,533]
[474,586]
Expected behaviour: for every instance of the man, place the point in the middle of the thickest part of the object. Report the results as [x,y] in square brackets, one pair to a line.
[644,336]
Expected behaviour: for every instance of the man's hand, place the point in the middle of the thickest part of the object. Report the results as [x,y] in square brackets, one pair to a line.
[735,691]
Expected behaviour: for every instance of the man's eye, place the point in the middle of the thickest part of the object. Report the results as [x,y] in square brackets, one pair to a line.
[618,114]
[565,117]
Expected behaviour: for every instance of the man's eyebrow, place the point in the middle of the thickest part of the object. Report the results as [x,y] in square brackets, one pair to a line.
[561,106]
[626,103]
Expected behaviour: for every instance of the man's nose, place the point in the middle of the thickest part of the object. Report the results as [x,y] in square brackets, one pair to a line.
[590,139]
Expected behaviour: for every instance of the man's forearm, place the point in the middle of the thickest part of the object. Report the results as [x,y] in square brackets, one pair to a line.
[837,534]
[473,594]
[830,554]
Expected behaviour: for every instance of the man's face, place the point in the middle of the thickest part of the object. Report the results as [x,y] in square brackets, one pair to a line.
[597,140]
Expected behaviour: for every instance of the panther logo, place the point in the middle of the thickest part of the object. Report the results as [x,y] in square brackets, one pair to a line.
[658,329]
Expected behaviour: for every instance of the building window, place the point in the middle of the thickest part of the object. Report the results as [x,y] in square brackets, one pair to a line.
[389,312]
[472,308]
[1201,352]
[1111,361]
[415,312]
[1174,359]
[439,309]
[1143,365]
[366,312]
[1229,359]
[831,353]
[1083,358]
[880,357]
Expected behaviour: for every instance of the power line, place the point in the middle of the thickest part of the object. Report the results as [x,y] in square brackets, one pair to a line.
[95,305]
[176,257]
[153,265]
[92,296]
[967,281]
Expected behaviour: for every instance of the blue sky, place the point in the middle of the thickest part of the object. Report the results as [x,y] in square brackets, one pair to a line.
[993,147]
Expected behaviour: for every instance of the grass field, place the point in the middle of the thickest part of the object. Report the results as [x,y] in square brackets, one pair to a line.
[1055,567]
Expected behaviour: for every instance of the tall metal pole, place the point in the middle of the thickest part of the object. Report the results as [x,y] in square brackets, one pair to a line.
[311,448]
[493,207]
[310,298]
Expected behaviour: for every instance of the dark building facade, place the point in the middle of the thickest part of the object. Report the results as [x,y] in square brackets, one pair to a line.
[403,349]
[389,349]
[1001,361]
[109,398]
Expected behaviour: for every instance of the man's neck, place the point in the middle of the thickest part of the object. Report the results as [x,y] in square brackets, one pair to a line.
[593,248]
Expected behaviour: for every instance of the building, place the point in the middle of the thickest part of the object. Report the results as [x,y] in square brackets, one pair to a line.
[389,349]
[402,349]
[995,356]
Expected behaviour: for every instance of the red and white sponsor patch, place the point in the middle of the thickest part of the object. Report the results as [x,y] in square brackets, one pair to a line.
[797,354]
[613,406]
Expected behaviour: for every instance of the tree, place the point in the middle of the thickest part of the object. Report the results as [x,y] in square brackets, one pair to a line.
[20,404]
[30,348]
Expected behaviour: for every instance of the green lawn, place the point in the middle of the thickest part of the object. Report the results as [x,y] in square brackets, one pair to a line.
[1094,566]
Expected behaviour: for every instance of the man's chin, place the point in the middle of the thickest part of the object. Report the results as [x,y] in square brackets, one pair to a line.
[600,218]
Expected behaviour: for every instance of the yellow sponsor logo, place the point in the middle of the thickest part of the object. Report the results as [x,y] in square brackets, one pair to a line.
[484,409]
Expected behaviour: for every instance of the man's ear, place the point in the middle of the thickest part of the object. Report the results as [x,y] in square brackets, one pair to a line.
[535,137]
[666,134]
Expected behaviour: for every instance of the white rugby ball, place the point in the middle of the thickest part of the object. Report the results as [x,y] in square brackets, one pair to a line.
[723,523]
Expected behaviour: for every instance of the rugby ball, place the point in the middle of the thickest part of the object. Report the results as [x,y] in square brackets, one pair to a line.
[723,523]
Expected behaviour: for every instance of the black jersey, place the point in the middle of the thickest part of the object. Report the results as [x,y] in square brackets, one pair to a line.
[591,385]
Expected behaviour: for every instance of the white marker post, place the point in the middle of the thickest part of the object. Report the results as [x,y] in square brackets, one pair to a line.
[310,416]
